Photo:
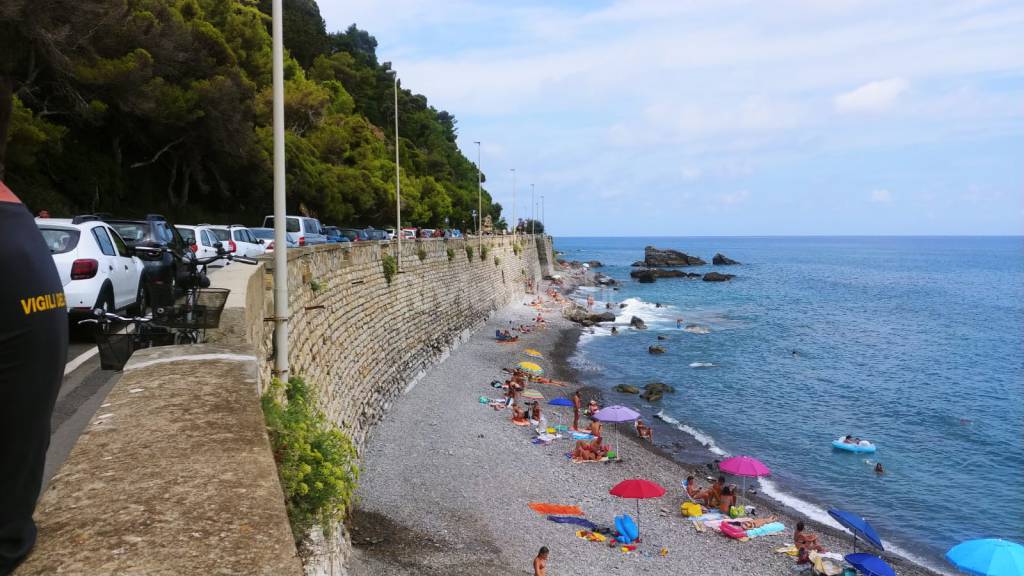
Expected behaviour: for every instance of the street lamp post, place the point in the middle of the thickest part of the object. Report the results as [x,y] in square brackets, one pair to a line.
[479,197]
[533,212]
[280,208]
[542,223]
[398,179]
[515,227]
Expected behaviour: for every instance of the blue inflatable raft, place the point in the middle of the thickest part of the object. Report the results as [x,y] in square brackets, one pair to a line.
[863,447]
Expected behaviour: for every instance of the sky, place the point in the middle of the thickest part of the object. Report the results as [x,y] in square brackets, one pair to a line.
[727,117]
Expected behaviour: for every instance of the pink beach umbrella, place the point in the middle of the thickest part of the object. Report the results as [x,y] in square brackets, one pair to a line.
[745,466]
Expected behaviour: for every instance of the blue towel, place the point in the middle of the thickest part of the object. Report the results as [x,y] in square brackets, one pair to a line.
[574,520]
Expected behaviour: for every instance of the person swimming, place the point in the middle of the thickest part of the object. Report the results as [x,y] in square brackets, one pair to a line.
[879,469]
[614,330]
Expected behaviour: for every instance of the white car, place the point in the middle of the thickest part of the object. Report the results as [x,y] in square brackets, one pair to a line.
[94,264]
[238,240]
[202,240]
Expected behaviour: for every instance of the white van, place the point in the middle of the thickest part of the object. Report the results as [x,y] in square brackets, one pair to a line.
[302,230]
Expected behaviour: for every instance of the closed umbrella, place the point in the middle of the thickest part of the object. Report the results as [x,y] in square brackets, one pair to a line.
[745,467]
[614,415]
[988,557]
[637,488]
[858,526]
[869,564]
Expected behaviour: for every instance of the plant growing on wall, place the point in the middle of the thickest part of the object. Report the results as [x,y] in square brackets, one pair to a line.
[451,254]
[484,250]
[316,462]
[469,252]
[390,266]
[421,253]
[497,261]
[315,285]
[517,248]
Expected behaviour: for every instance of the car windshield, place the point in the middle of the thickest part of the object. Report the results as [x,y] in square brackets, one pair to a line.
[264,233]
[131,232]
[293,224]
[60,240]
[311,226]
[188,234]
[221,234]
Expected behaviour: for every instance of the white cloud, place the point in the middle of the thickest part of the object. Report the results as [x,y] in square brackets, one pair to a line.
[881,196]
[734,198]
[872,97]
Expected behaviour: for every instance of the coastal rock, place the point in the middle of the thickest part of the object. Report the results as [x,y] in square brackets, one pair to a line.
[655,390]
[602,317]
[656,350]
[662,337]
[722,260]
[626,389]
[638,323]
[718,277]
[648,275]
[658,258]
[622,305]
[595,264]
[605,280]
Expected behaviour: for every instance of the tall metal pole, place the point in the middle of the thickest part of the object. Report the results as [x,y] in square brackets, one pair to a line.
[280,208]
[398,179]
[514,221]
[533,212]
[542,224]
[479,198]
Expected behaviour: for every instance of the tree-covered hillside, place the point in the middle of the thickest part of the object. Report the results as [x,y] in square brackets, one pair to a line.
[136,106]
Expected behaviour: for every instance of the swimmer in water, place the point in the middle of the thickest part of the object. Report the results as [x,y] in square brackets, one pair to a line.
[795,354]
[679,323]
[879,469]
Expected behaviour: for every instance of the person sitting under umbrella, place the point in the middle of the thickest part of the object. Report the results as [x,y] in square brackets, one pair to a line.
[592,450]
[727,499]
[518,416]
[692,489]
[644,431]
[712,495]
[805,541]
[592,408]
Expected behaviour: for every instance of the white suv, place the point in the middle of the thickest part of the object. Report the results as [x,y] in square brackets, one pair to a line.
[202,240]
[238,240]
[95,266]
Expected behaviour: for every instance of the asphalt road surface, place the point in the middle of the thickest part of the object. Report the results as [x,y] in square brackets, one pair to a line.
[83,391]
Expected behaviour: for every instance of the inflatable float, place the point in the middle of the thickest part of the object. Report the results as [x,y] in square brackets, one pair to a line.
[863,447]
[626,528]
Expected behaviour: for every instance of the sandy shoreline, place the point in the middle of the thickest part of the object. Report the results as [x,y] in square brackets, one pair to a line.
[446,482]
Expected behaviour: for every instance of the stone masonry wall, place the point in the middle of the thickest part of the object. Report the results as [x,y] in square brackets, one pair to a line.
[361,342]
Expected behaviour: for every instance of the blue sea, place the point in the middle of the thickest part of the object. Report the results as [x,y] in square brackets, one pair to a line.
[916,343]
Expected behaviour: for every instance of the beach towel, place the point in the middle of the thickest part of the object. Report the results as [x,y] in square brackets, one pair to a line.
[773,528]
[578,461]
[555,509]
[574,520]
[582,436]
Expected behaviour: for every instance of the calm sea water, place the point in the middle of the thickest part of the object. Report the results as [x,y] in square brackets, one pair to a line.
[914,343]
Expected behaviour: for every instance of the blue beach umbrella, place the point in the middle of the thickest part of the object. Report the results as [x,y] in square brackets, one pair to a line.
[869,564]
[858,526]
[988,557]
[560,402]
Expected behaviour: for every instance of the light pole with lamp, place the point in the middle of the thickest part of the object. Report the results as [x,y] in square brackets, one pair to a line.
[533,213]
[515,227]
[479,197]
[398,179]
[542,224]
[280,208]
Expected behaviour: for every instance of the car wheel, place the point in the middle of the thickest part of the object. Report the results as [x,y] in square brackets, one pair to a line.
[141,307]
[105,301]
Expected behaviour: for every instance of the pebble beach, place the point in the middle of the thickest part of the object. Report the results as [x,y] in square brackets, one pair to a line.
[446,482]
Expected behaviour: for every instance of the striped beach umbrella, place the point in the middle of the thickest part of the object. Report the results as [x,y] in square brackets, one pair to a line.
[531,394]
[531,368]
[533,353]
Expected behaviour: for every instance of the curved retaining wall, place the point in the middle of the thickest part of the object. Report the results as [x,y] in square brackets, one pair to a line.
[362,341]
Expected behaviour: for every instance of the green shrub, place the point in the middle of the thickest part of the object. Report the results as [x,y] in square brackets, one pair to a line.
[469,252]
[421,253]
[484,250]
[451,254]
[517,248]
[315,285]
[497,261]
[316,462]
[390,267]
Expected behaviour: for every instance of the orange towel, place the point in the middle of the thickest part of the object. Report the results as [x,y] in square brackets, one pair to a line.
[555,509]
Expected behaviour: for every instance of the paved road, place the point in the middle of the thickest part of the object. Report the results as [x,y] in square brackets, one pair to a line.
[84,388]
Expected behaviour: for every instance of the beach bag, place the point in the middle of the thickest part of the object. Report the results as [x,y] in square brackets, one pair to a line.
[736,511]
[690,509]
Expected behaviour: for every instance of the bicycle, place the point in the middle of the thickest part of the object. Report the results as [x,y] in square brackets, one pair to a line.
[116,347]
[199,307]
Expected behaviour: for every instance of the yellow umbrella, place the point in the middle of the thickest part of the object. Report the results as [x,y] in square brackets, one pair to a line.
[533,353]
[530,367]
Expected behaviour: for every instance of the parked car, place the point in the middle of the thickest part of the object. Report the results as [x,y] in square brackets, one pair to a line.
[267,235]
[203,241]
[153,240]
[353,234]
[335,235]
[239,241]
[453,233]
[426,232]
[302,229]
[391,233]
[409,234]
[374,234]
[95,265]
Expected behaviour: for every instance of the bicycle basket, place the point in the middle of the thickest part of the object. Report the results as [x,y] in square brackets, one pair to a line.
[115,349]
[203,315]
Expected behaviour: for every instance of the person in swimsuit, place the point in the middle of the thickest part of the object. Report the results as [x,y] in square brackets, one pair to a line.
[726,500]
[595,428]
[535,412]
[805,541]
[540,563]
[692,489]
[713,495]
[577,403]
[644,431]
[879,469]
[517,413]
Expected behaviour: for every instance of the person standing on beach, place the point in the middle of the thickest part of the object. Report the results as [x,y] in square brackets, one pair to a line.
[540,563]
[577,403]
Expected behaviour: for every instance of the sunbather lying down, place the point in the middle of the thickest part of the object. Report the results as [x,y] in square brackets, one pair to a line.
[751,523]
[592,450]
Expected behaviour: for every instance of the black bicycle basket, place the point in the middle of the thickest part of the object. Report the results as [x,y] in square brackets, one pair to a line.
[203,314]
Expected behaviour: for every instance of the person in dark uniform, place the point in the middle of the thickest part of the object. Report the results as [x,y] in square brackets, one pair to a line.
[33,350]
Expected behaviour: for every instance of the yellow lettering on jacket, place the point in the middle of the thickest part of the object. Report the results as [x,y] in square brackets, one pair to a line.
[43,302]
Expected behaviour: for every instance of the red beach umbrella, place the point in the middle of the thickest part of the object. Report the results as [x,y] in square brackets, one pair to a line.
[637,488]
